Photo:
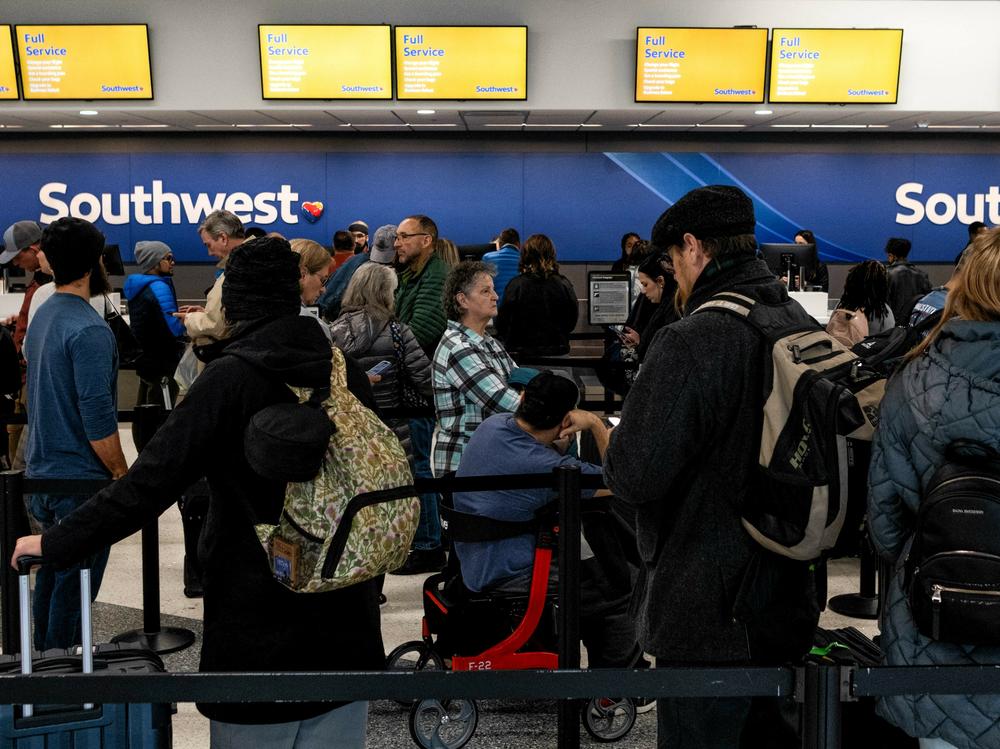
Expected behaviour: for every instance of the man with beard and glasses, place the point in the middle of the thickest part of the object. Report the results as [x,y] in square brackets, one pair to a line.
[72,412]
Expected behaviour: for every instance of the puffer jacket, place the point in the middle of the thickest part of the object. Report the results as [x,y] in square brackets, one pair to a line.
[951,392]
[369,341]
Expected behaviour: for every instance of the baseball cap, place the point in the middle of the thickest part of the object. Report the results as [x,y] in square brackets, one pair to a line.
[18,236]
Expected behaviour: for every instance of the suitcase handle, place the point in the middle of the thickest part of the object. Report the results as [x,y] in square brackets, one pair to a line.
[25,563]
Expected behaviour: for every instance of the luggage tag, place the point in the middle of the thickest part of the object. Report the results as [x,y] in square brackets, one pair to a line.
[285,561]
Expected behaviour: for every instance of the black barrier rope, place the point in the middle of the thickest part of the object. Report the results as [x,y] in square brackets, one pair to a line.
[398,685]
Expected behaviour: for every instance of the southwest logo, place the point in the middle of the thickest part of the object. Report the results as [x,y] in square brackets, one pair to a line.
[312,211]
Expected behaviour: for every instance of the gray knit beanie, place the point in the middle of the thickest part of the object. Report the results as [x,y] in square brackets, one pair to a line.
[148,253]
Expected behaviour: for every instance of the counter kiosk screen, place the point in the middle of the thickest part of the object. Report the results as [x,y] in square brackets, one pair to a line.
[325,62]
[8,76]
[462,62]
[835,66]
[700,65]
[84,62]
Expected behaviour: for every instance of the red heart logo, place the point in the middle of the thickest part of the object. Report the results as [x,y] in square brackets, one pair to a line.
[314,207]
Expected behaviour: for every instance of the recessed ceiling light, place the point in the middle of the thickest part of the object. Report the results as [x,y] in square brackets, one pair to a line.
[764,111]
[89,112]
[426,111]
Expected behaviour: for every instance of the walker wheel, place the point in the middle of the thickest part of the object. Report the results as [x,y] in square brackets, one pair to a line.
[415,655]
[609,719]
[444,724]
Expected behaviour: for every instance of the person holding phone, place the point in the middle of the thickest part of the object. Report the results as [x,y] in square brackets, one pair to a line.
[368,331]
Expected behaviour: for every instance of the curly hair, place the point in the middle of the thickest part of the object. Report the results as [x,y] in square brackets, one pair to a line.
[461,280]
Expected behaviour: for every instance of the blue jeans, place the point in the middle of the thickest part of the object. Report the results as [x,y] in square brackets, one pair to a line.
[428,534]
[56,602]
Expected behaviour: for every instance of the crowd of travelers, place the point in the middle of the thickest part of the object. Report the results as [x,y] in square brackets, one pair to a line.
[423,330]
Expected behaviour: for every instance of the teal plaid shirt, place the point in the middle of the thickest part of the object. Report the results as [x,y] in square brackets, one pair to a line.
[470,374]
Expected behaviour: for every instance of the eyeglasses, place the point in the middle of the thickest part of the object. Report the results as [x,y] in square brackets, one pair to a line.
[168,258]
[404,235]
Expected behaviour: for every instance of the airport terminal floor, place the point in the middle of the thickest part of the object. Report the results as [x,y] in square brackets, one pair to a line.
[525,724]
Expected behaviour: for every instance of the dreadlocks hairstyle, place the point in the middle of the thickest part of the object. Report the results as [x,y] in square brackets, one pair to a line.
[867,289]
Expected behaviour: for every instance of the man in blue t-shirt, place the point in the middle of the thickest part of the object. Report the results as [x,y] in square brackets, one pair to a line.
[506,259]
[72,410]
[525,442]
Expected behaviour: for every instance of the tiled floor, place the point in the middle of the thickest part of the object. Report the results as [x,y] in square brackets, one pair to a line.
[502,724]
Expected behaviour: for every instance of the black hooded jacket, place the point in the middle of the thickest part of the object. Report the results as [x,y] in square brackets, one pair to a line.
[252,623]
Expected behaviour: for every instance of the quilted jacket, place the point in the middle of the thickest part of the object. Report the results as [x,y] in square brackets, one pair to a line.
[951,392]
[369,341]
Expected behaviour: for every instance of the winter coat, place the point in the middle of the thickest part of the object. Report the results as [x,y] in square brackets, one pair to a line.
[683,455]
[537,315]
[951,392]
[369,341]
[251,621]
[907,283]
[420,302]
[151,304]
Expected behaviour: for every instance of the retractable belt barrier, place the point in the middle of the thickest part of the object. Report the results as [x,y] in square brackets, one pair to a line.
[821,689]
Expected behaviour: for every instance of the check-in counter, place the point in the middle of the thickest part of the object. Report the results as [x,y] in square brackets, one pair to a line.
[816,303]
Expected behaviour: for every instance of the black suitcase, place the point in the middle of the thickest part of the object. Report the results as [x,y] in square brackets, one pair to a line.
[81,726]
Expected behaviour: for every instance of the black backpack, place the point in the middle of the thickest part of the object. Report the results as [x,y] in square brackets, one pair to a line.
[953,567]
[885,351]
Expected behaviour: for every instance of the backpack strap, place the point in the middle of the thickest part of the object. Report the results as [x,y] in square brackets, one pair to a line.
[729,301]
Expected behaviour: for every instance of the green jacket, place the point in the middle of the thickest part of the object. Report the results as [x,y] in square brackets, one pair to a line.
[420,302]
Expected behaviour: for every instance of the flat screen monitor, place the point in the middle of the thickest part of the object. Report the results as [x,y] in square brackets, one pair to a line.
[700,64]
[785,258]
[325,62]
[474,251]
[8,73]
[835,66]
[462,62]
[95,61]
[112,257]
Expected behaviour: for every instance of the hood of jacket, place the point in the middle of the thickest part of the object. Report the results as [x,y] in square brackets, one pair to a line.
[135,283]
[291,348]
[359,328]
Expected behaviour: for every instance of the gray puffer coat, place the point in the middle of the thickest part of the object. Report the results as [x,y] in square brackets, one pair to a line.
[369,341]
[951,392]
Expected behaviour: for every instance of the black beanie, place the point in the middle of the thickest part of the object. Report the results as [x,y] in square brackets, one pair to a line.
[714,211]
[262,280]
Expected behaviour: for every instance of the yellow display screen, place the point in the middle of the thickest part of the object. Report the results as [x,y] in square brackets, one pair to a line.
[84,62]
[325,62]
[8,76]
[461,62]
[700,65]
[835,66]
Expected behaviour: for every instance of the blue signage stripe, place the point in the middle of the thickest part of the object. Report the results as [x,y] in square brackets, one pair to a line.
[671,175]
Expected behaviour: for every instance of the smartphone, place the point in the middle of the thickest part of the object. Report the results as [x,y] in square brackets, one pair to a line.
[619,329]
[381,367]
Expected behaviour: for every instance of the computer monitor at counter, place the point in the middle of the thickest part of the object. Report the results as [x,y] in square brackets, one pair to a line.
[787,260]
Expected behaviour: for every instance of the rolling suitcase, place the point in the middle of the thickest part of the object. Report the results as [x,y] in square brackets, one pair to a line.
[81,726]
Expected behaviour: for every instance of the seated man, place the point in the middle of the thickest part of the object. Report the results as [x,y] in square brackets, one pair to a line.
[524,442]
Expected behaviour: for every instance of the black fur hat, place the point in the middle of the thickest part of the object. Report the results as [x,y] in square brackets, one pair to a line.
[262,280]
[712,211]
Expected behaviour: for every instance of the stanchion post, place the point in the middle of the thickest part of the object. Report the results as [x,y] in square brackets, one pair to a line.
[15,525]
[821,725]
[568,483]
[147,420]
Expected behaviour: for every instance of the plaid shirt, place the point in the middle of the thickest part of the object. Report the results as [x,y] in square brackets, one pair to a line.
[470,383]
